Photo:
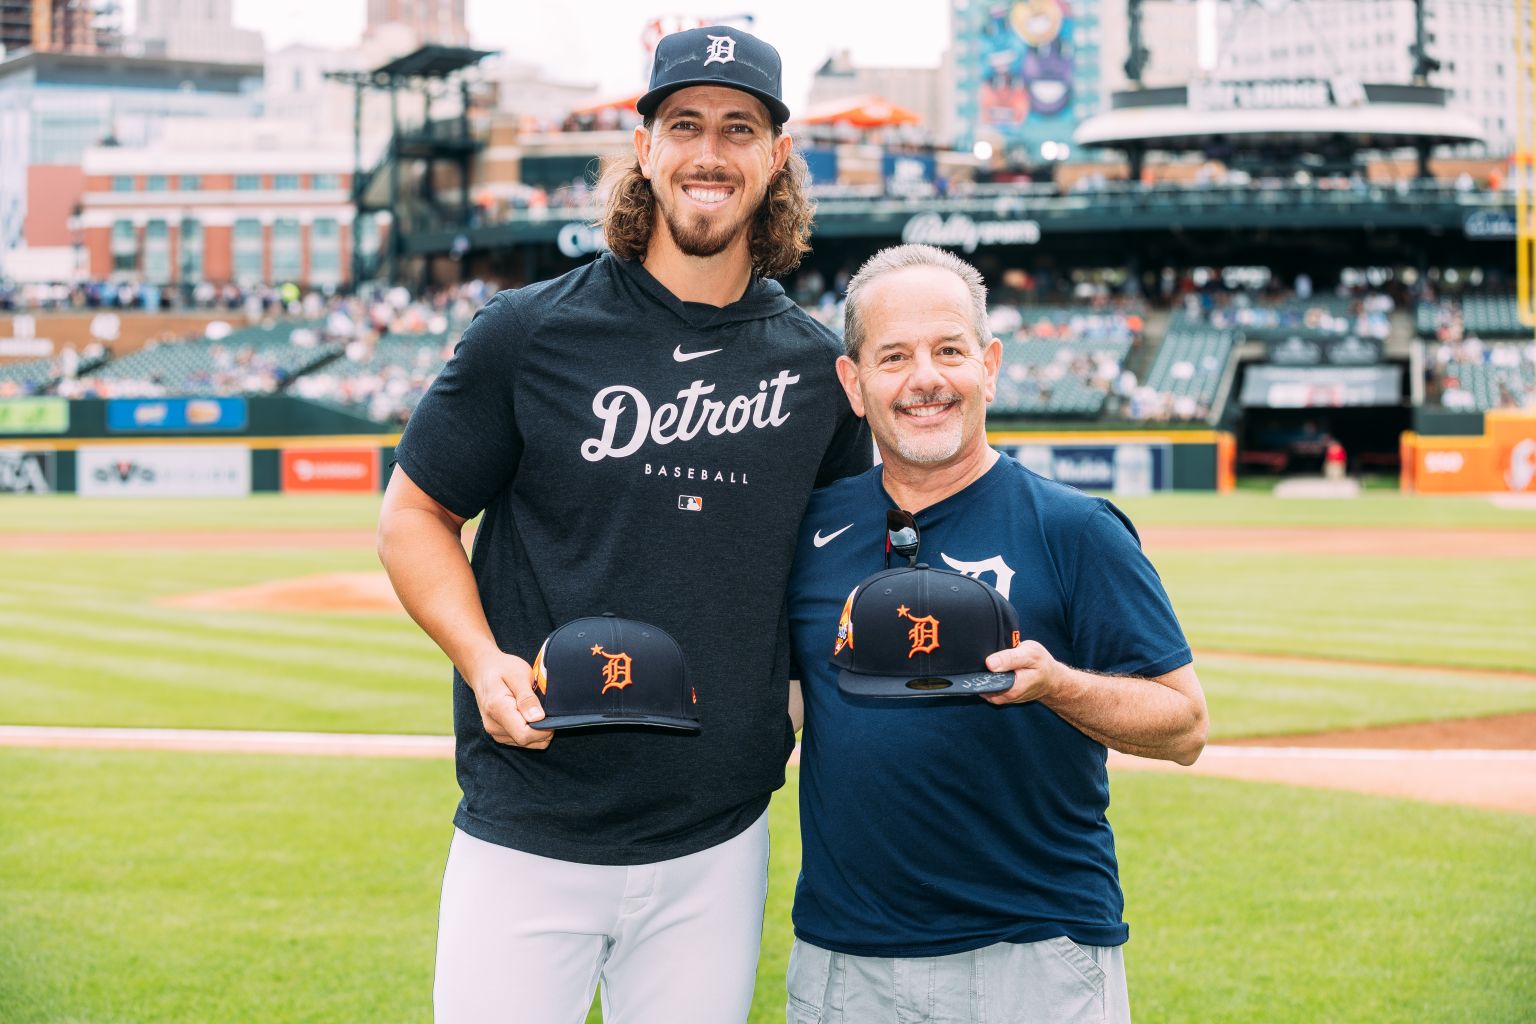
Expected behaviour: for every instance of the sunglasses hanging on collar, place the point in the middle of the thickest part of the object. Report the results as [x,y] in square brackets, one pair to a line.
[901,536]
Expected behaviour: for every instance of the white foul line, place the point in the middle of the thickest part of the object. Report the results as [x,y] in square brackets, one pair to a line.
[230,740]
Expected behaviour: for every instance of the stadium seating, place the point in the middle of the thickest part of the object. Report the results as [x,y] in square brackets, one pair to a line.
[27,377]
[384,381]
[251,360]
[38,376]
[1490,315]
[1061,361]
[1504,378]
[1188,369]
[1317,317]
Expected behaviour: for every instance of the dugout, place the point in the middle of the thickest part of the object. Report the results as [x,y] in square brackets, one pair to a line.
[1289,416]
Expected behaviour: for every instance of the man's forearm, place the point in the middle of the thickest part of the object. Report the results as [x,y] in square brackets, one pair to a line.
[1163,717]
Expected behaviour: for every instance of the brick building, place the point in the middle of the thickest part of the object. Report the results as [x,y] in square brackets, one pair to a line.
[174,216]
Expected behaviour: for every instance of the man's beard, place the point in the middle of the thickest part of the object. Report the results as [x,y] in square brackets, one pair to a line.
[930,448]
[700,236]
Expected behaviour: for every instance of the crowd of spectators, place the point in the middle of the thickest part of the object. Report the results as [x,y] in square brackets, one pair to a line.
[1466,369]
[1366,315]
[1470,373]
[1069,358]
[234,359]
[227,370]
[253,301]
[1063,335]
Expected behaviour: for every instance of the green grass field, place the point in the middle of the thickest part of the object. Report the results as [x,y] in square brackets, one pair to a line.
[151,887]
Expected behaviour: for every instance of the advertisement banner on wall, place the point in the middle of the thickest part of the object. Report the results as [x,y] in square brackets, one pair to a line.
[1502,459]
[330,470]
[1513,434]
[23,472]
[1120,468]
[34,416]
[130,415]
[1454,465]
[166,471]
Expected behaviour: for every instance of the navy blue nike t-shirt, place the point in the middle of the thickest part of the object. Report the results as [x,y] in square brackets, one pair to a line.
[946,824]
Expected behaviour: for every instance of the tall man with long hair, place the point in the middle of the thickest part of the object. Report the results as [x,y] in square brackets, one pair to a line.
[641,436]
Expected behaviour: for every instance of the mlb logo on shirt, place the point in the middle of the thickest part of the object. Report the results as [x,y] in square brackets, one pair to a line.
[690,503]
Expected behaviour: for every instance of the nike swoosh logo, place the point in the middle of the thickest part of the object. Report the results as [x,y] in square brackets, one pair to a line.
[683,357]
[822,542]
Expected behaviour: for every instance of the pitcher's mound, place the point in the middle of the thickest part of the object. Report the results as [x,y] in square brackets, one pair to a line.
[347,592]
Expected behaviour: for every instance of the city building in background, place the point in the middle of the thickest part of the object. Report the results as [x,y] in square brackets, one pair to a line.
[1027,72]
[55,106]
[218,203]
[1372,41]
[1177,37]
[430,21]
[194,30]
[1275,111]
[59,26]
[531,95]
[927,92]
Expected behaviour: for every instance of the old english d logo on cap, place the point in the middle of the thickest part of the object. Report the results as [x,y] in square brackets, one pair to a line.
[604,670]
[618,669]
[722,50]
[923,632]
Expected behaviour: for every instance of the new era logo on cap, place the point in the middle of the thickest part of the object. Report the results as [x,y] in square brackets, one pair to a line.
[716,55]
[605,670]
[922,632]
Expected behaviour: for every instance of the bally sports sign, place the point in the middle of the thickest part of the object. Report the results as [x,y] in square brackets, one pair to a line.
[959,231]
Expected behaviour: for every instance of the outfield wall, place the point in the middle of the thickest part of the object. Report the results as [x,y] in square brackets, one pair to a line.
[1134,462]
[227,447]
[1501,459]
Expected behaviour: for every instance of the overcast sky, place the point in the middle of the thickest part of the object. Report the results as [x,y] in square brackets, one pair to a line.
[606,49]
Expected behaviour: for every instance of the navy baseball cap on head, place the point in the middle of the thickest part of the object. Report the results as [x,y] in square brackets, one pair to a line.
[917,631]
[716,56]
[604,670]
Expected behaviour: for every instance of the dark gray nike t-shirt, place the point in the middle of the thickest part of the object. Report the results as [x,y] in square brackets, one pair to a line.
[652,458]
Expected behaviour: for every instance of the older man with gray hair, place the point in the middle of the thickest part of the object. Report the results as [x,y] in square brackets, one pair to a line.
[957,861]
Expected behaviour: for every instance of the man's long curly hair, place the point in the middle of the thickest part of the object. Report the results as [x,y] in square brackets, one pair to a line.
[781,228]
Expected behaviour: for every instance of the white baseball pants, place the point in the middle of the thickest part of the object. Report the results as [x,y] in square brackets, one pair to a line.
[525,939]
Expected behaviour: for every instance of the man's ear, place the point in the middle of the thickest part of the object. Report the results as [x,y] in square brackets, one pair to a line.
[781,147]
[848,376]
[643,149]
[992,359]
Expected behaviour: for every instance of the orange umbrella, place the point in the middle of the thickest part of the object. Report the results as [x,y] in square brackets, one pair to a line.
[861,112]
[621,103]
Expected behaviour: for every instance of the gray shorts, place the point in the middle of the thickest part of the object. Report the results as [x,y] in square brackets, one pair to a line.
[1055,981]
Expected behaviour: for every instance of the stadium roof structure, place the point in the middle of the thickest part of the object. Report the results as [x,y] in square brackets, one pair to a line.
[1296,114]
[432,61]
